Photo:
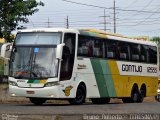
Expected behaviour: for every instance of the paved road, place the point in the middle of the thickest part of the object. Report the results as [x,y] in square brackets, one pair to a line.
[88,108]
[148,107]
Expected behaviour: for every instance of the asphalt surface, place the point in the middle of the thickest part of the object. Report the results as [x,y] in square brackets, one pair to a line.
[50,111]
[119,108]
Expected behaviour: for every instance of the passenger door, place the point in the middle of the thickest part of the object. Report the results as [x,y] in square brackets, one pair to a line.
[68,57]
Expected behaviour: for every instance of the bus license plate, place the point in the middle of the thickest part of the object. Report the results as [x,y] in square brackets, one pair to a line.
[30,92]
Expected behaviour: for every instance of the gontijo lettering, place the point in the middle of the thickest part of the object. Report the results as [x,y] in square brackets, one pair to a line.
[131,68]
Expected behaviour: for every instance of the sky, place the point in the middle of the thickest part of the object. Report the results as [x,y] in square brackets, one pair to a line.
[133,17]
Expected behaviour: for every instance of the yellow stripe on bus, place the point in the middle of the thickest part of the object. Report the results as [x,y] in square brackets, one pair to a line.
[43,81]
[123,83]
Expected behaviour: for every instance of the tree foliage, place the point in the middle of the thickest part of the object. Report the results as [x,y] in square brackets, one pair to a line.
[14,11]
[156,40]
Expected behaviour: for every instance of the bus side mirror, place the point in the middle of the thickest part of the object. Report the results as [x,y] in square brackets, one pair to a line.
[6,50]
[59,51]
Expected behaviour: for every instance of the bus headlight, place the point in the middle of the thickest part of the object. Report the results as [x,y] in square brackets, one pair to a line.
[49,84]
[158,91]
[13,83]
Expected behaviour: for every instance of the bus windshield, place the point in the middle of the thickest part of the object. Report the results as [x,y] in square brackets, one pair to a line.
[34,55]
[33,62]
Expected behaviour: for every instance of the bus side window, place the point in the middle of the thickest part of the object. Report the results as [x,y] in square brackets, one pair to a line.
[98,48]
[123,51]
[111,49]
[135,52]
[85,46]
[152,54]
[144,53]
[82,46]
[68,56]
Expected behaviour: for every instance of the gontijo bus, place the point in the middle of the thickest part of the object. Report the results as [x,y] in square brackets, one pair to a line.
[78,64]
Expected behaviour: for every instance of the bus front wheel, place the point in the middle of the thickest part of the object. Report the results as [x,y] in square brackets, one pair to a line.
[80,96]
[37,101]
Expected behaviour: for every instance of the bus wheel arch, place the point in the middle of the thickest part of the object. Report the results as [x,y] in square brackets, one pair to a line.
[80,94]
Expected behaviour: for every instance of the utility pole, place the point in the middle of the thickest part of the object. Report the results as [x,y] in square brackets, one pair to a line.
[105,21]
[114,15]
[48,23]
[67,22]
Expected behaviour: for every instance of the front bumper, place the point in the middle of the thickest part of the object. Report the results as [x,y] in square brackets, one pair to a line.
[46,92]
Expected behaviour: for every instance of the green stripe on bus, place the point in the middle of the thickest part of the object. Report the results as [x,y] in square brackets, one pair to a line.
[36,81]
[99,78]
[30,81]
[103,78]
[108,78]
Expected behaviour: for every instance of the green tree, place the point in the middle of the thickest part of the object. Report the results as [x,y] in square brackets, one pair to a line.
[156,40]
[14,11]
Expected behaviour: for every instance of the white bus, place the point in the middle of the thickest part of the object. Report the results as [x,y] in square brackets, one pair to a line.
[74,65]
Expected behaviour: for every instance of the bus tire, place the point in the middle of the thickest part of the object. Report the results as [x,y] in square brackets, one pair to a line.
[100,100]
[80,96]
[37,101]
[134,94]
[142,94]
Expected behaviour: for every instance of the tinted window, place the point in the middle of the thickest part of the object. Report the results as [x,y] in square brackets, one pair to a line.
[85,46]
[144,53]
[135,52]
[112,51]
[91,47]
[123,51]
[152,54]
[98,48]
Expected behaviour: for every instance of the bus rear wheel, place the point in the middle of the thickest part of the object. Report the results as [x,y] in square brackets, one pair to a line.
[37,101]
[134,95]
[142,94]
[80,96]
[100,100]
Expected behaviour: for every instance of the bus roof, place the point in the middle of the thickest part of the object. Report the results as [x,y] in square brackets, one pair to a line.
[96,33]
[49,30]
[109,35]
